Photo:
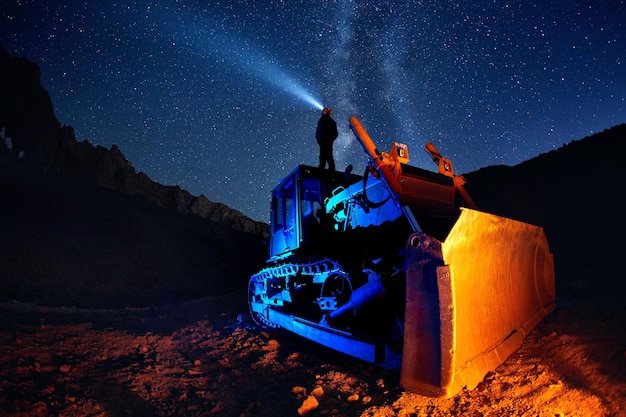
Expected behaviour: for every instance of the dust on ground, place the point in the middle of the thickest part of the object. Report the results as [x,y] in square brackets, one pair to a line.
[203,358]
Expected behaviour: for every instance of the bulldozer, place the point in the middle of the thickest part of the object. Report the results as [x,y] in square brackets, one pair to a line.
[398,267]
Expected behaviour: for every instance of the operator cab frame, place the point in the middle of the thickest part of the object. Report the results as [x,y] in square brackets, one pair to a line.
[297,207]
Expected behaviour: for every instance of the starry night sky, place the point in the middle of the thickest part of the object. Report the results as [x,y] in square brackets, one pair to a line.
[222,97]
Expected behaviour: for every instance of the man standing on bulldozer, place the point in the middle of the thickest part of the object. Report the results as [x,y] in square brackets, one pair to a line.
[326,133]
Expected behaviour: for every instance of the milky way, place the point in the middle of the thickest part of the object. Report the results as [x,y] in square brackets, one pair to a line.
[222,98]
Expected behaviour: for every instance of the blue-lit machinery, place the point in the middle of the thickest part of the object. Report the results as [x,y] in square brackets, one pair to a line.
[397,267]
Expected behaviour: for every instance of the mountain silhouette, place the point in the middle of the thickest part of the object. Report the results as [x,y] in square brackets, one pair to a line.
[80,227]
[574,194]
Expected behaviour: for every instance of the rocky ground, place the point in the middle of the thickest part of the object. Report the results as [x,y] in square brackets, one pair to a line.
[203,358]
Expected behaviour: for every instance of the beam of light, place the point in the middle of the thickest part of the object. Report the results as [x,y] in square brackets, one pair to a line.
[213,39]
[293,88]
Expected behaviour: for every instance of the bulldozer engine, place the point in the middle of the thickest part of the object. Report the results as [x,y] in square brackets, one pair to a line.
[399,268]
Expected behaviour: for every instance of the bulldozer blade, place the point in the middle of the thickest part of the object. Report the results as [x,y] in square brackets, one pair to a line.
[471,300]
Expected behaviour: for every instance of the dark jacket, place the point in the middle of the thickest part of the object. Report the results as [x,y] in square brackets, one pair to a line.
[326,131]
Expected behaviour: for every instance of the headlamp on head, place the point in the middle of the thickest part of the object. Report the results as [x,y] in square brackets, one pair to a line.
[327,110]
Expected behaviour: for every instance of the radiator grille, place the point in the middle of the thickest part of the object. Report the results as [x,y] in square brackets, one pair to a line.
[427,197]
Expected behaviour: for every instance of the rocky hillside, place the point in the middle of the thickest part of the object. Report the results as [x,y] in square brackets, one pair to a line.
[80,227]
[32,134]
[575,194]
[70,243]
